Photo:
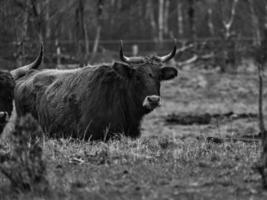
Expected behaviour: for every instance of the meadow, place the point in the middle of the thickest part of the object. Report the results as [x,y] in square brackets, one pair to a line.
[213,154]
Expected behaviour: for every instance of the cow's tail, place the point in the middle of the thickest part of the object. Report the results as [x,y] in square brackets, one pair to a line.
[21,71]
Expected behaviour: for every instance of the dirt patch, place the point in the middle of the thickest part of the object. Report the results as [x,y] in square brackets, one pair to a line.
[204,119]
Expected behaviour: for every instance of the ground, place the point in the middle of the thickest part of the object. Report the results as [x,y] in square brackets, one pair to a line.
[170,160]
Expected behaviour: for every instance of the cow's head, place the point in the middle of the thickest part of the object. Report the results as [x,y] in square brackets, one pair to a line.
[144,75]
[7,85]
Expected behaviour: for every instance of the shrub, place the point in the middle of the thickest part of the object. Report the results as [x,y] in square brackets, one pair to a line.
[23,164]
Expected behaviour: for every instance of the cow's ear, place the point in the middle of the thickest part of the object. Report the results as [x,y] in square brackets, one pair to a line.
[123,69]
[167,73]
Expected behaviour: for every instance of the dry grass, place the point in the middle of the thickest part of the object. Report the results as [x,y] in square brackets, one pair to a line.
[152,168]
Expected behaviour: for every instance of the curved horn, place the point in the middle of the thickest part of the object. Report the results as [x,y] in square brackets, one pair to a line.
[168,56]
[129,59]
[37,62]
[21,71]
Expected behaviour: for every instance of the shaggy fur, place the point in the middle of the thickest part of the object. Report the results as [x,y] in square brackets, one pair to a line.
[6,97]
[91,102]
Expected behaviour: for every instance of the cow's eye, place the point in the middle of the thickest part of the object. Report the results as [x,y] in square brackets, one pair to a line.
[150,75]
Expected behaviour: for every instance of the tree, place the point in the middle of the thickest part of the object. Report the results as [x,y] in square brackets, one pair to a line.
[99,15]
[260,55]
[191,17]
[180,19]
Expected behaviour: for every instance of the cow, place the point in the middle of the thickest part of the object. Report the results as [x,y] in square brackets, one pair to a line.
[94,102]
[7,85]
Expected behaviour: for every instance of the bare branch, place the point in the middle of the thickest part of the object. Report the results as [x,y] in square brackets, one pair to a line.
[193,59]
[207,56]
[184,48]
[196,58]
[228,24]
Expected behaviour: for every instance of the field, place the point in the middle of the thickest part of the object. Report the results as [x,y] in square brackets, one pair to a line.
[211,155]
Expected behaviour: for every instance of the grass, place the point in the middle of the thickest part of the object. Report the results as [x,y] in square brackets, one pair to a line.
[169,161]
[149,168]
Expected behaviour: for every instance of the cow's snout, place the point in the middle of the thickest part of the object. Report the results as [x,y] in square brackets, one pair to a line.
[151,102]
[4,116]
[153,99]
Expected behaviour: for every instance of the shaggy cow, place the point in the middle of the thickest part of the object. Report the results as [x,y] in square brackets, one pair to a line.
[94,102]
[7,84]
[6,97]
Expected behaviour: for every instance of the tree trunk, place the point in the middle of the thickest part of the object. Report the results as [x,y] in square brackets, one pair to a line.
[36,10]
[160,22]
[22,35]
[119,4]
[100,6]
[227,23]
[263,161]
[180,19]
[255,24]
[97,38]
[47,20]
[210,23]
[151,17]
[262,60]
[260,107]
[228,60]
[58,52]
[191,17]
[166,17]
[87,44]
[80,32]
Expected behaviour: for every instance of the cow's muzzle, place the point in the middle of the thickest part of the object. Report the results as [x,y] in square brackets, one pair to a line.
[4,116]
[151,102]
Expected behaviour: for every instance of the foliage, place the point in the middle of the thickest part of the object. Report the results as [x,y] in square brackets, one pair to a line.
[23,162]
[78,25]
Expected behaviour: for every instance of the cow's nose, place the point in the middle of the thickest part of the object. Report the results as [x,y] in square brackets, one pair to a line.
[153,99]
[151,102]
[3,116]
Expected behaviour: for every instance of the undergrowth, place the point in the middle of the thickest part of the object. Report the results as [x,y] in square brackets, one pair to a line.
[21,159]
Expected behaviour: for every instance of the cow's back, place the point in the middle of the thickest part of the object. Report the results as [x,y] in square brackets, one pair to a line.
[80,103]
[31,88]
[51,97]
[64,106]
